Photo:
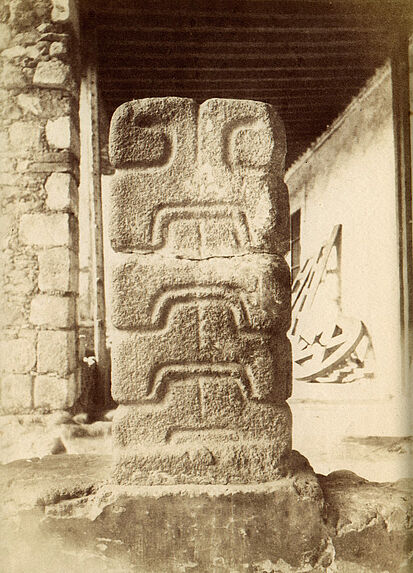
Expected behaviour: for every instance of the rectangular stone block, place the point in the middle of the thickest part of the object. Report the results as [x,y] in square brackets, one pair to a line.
[54,393]
[255,287]
[56,352]
[61,133]
[25,136]
[200,340]
[241,151]
[16,392]
[17,355]
[58,270]
[158,133]
[53,311]
[48,230]
[161,187]
[53,74]
[266,528]
[62,194]
[243,444]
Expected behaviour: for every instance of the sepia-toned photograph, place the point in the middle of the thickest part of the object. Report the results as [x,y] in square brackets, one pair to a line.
[206,341]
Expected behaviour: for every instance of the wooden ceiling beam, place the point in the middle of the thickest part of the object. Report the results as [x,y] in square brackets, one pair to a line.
[120,42]
[191,12]
[245,72]
[220,60]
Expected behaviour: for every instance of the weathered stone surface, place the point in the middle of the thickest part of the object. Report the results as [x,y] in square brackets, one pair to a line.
[163,529]
[48,230]
[155,132]
[200,355]
[16,392]
[371,523]
[242,147]
[199,318]
[57,49]
[52,74]
[38,141]
[200,340]
[217,204]
[62,134]
[29,103]
[17,355]
[25,484]
[58,270]
[56,351]
[256,288]
[60,506]
[25,135]
[62,193]
[5,36]
[227,528]
[54,393]
[202,432]
[11,76]
[53,311]
[65,11]
[23,16]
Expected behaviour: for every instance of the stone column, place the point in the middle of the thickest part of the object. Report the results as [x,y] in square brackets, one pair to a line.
[39,177]
[201,292]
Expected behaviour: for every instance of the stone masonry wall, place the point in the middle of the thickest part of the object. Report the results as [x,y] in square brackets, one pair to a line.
[39,155]
[201,364]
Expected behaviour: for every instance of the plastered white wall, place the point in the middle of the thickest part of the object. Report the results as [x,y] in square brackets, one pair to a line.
[349,178]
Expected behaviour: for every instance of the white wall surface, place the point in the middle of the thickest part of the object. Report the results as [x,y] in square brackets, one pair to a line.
[349,178]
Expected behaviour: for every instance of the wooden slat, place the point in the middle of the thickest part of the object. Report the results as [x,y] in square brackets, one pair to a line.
[213,75]
[236,17]
[268,83]
[336,47]
[207,34]
[297,8]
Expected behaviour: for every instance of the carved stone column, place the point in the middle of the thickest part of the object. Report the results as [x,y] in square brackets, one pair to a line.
[201,292]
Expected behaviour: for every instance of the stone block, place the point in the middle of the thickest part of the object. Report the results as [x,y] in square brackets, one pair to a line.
[155,133]
[236,136]
[16,392]
[200,340]
[62,194]
[29,103]
[152,144]
[12,77]
[57,49]
[53,74]
[56,352]
[25,135]
[370,523]
[48,229]
[204,430]
[53,311]
[11,314]
[62,134]
[255,287]
[7,229]
[260,528]
[66,11]
[14,52]
[5,36]
[58,270]
[272,527]
[17,355]
[54,393]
